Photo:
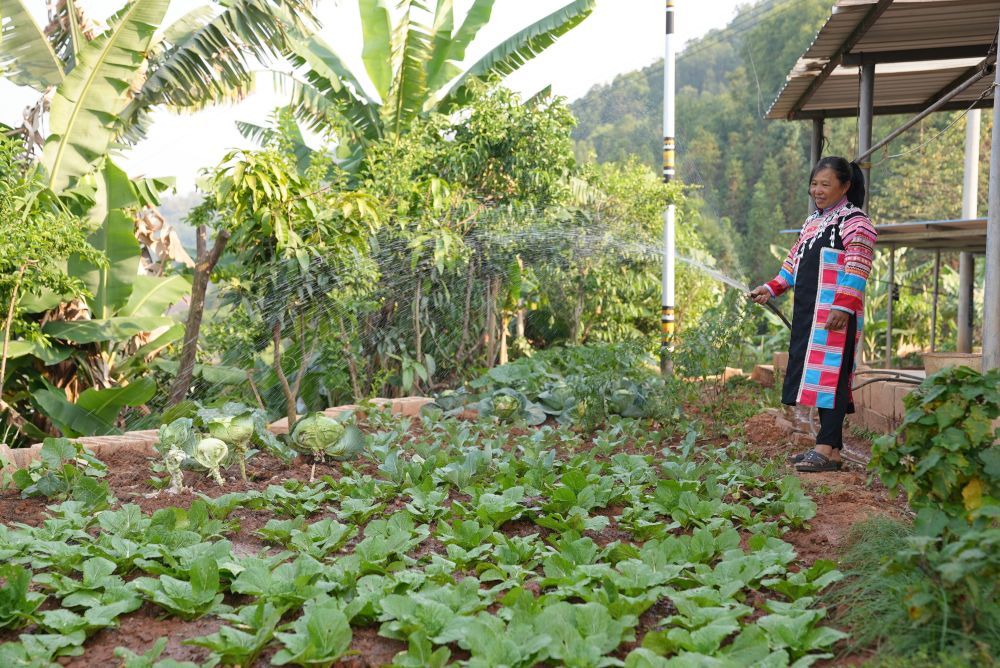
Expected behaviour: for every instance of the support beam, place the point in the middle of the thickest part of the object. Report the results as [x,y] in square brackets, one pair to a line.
[991,296]
[916,55]
[957,89]
[967,261]
[934,305]
[862,28]
[886,110]
[890,292]
[815,150]
[866,107]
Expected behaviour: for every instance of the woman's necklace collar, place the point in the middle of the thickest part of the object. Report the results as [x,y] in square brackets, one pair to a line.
[838,205]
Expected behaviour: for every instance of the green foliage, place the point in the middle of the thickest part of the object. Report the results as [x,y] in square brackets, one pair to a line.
[188,599]
[434,537]
[65,470]
[913,595]
[17,605]
[946,454]
[318,638]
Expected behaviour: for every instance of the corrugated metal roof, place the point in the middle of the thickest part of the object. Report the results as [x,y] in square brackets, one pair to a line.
[906,25]
[953,235]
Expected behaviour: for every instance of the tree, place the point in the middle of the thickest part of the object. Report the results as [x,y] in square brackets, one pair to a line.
[764,220]
[414,68]
[37,236]
[296,240]
[107,83]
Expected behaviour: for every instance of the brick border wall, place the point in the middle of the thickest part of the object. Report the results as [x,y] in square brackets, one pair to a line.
[143,441]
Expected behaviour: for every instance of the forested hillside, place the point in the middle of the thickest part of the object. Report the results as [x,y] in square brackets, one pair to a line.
[753,171]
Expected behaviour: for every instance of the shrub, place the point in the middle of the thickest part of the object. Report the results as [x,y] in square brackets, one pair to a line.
[946,453]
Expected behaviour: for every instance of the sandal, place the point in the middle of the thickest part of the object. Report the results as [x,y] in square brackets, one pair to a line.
[814,462]
[795,459]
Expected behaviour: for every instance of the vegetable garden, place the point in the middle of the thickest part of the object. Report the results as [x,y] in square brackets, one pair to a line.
[415,229]
[445,539]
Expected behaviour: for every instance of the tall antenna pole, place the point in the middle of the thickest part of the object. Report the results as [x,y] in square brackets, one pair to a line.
[667,313]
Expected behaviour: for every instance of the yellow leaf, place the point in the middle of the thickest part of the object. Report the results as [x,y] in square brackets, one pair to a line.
[972,493]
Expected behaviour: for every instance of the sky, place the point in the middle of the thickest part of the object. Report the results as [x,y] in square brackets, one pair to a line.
[618,37]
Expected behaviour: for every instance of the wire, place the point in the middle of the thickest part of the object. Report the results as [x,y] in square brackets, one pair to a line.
[989,89]
[739,26]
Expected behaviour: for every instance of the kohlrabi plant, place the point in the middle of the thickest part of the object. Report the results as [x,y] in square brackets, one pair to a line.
[235,431]
[210,453]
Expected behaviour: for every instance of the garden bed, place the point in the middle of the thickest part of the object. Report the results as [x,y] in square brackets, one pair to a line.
[598,523]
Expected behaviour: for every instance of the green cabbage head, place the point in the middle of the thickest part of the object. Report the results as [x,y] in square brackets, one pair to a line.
[317,433]
[210,453]
[232,429]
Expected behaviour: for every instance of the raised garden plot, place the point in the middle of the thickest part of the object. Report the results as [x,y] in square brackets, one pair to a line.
[447,541]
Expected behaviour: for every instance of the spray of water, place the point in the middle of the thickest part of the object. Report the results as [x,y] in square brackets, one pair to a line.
[491,243]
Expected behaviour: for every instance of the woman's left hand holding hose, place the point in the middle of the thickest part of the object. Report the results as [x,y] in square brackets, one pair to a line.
[760,295]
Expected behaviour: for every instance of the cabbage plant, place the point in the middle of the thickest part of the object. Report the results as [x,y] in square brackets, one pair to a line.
[235,431]
[509,405]
[324,436]
[210,453]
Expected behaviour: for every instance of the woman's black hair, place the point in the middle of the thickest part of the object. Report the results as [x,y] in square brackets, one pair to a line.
[847,172]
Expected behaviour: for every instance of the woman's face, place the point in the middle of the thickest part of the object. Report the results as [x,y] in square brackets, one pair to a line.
[826,189]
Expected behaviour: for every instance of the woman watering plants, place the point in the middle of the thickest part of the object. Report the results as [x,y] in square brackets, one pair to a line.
[828,267]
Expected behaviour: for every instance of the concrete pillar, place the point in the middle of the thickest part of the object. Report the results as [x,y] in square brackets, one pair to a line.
[967,261]
[815,150]
[890,289]
[866,107]
[991,294]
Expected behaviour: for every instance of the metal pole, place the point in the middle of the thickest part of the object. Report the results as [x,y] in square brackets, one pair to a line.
[967,261]
[934,306]
[890,289]
[991,296]
[866,109]
[669,148]
[815,150]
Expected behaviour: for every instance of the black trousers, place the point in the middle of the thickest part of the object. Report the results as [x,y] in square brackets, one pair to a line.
[831,420]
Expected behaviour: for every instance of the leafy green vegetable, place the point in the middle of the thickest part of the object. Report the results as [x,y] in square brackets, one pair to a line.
[188,599]
[316,639]
[252,629]
[210,453]
[17,604]
[235,431]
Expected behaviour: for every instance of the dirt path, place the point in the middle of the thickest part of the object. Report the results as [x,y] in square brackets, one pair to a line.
[843,498]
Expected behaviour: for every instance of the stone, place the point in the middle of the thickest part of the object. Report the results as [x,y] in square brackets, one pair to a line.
[763,374]
[878,423]
[883,397]
[780,361]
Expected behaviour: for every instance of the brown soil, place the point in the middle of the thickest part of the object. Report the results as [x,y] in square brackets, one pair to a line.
[843,498]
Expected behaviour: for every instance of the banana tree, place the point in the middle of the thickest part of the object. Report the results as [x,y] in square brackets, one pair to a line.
[106,84]
[413,67]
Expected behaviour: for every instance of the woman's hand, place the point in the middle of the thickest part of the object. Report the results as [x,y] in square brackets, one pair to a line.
[837,320]
[760,294]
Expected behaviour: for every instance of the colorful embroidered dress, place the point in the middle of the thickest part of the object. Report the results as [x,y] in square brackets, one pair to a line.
[828,267]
